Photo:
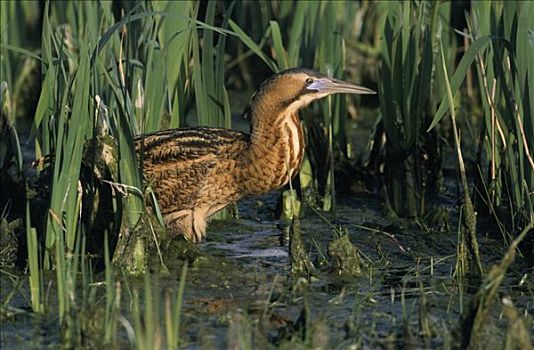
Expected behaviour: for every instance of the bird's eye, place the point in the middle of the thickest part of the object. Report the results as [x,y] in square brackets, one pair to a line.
[309,81]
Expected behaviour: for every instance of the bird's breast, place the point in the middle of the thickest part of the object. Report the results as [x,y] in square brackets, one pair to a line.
[294,139]
[275,154]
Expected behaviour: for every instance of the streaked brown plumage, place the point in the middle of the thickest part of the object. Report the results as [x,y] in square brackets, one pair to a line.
[196,172]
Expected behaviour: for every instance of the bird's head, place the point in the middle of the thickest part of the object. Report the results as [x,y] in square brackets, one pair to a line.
[296,88]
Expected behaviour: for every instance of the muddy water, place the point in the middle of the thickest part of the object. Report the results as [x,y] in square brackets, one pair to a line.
[242,284]
[240,291]
[407,297]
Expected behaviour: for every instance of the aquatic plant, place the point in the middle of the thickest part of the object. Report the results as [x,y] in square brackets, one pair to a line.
[407,83]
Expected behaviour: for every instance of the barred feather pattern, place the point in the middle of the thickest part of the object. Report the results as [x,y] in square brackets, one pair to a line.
[192,172]
[196,172]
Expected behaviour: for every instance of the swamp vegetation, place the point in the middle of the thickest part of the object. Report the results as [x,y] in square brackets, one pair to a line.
[410,224]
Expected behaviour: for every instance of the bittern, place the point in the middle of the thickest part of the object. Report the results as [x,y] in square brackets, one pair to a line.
[197,171]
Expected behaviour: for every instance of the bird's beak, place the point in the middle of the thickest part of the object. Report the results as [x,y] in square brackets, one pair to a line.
[334,86]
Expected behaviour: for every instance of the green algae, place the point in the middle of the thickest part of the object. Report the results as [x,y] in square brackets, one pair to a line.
[9,243]
[345,257]
[301,266]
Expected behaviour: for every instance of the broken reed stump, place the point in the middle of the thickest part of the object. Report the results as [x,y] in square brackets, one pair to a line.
[475,318]
[346,257]
[301,266]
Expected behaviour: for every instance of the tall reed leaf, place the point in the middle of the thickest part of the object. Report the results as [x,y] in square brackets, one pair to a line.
[405,84]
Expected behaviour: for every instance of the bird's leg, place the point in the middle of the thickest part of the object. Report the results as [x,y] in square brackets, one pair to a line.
[190,223]
[181,223]
[198,223]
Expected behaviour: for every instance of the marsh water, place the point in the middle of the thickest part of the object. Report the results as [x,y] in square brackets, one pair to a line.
[241,285]
[240,291]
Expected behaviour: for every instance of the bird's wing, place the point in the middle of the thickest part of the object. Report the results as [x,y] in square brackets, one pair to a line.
[178,162]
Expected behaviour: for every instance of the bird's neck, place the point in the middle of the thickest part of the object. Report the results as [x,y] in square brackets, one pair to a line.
[276,148]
